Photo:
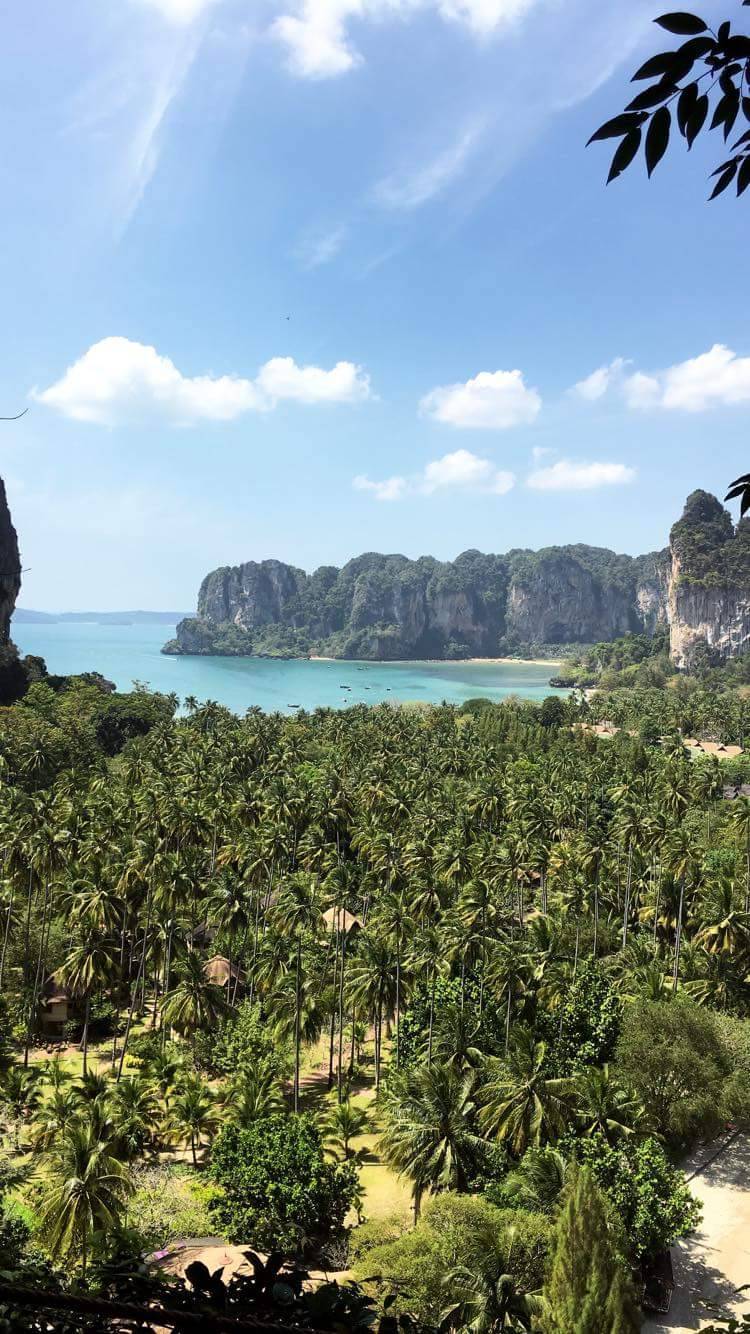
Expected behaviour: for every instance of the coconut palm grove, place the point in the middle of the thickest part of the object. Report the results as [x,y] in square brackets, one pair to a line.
[421,1008]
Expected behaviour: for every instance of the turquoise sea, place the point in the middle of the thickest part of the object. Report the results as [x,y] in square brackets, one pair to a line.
[127,653]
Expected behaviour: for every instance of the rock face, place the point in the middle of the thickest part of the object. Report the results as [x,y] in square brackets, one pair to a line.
[708,593]
[10,567]
[384,607]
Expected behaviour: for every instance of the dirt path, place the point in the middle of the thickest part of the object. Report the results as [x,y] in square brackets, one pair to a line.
[714,1262]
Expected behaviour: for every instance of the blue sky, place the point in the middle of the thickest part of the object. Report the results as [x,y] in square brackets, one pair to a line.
[303,278]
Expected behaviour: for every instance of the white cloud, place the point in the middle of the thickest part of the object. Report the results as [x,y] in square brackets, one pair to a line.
[464,469]
[599,381]
[567,475]
[641,391]
[410,189]
[458,471]
[283,378]
[493,401]
[714,378]
[392,488]
[317,40]
[117,380]
[179,11]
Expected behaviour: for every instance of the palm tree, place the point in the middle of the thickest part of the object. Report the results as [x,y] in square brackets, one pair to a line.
[488,1297]
[195,1004]
[522,1105]
[372,987]
[603,1106]
[537,1181]
[84,1193]
[430,1132]
[344,1123]
[297,912]
[136,1114]
[19,1092]
[53,1115]
[253,1096]
[88,968]
[193,1113]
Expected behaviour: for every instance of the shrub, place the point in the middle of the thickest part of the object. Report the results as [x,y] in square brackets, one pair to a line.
[673,1056]
[456,1232]
[167,1204]
[279,1191]
[243,1041]
[650,1196]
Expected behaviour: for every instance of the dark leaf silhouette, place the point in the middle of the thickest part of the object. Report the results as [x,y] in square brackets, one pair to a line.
[740,487]
[743,176]
[697,119]
[625,154]
[612,129]
[651,97]
[684,25]
[724,180]
[657,137]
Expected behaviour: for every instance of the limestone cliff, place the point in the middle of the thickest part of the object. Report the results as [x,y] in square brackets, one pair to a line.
[382,607]
[708,594]
[10,567]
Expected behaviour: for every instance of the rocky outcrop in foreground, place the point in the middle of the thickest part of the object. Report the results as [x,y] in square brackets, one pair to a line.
[10,567]
[389,607]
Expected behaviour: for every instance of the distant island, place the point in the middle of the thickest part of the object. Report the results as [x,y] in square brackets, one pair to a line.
[387,607]
[25,616]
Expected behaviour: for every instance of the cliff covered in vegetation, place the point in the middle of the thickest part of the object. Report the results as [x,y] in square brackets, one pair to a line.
[388,607]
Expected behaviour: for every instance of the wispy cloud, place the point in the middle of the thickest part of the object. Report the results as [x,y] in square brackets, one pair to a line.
[459,471]
[321,248]
[417,185]
[569,475]
[318,43]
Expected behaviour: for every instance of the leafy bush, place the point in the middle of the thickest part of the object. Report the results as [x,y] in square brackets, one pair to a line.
[243,1041]
[279,1191]
[457,1232]
[673,1056]
[650,1196]
[586,1029]
[168,1204]
[377,1232]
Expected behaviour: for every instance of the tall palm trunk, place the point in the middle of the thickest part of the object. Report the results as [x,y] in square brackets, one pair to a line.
[332,1032]
[398,998]
[85,1037]
[341,1013]
[628,883]
[432,1016]
[131,1008]
[297,1024]
[6,934]
[678,941]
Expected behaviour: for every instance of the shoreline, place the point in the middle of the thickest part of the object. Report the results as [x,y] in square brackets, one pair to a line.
[453,662]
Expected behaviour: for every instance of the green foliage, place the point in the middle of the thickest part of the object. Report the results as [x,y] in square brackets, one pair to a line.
[588,1289]
[673,1057]
[279,1190]
[243,1040]
[649,1195]
[167,1204]
[456,1232]
[586,1028]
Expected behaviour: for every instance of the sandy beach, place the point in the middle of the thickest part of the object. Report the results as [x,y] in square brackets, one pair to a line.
[501,662]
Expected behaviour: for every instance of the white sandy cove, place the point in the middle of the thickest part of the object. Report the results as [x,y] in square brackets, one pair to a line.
[448,662]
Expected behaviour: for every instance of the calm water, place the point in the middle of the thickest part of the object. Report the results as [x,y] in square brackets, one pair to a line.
[127,653]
